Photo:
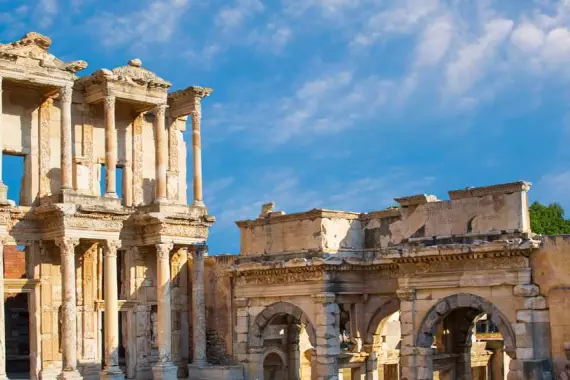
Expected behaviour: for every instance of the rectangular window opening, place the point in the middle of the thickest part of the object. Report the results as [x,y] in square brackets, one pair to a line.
[13,176]
[118,181]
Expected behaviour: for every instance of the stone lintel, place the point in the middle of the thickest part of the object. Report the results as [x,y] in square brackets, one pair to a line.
[308,215]
[414,200]
[506,188]
[183,102]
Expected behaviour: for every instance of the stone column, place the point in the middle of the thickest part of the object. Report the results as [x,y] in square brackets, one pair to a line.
[66,145]
[68,309]
[198,307]
[164,369]
[2,323]
[3,188]
[197,153]
[372,367]
[111,370]
[328,336]
[110,148]
[161,153]
[128,184]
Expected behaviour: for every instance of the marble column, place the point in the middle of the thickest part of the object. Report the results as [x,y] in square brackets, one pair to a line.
[164,369]
[66,146]
[128,184]
[2,322]
[111,369]
[68,309]
[198,307]
[197,153]
[161,153]
[110,148]
[3,188]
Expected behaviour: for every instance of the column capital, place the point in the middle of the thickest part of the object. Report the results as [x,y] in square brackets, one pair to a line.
[160,110]
[200,250]
[67,245]
[109,100]
[66,93]
[111,246]
[163,250]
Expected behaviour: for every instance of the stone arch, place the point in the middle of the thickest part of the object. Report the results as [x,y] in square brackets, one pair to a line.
[383,311]
[255,338]
[448,304]
[276,351]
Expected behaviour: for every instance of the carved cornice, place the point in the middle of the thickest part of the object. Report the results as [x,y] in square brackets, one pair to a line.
[505,188]
[312,214]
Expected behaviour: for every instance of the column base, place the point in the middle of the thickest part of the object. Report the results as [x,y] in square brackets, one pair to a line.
[198,204]
[165,371]
[69,375]
[112,373]
[111,195]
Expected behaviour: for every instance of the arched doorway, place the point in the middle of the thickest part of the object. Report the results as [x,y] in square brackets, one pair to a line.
[283,329]
[384,336]
[448,335]
[274,367]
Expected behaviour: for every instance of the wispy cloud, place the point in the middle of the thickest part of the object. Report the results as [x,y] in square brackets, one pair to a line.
[235,16]
[553,187]
[154,21]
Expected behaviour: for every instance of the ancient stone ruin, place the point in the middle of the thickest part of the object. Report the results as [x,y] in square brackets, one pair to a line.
[109,281]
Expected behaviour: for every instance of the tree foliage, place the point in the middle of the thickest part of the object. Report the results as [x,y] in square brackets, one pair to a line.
[548,220]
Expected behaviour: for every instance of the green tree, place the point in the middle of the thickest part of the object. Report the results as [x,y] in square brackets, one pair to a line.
[548,220]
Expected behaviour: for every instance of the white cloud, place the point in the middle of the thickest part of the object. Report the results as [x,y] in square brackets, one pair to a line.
[557,46]
[553,187]
[434,43]
[271,38]
[474,59]
[528,38]
[155,22]
[235,16]
[47,11]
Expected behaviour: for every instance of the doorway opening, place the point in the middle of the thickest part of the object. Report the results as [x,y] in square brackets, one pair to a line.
[17,331]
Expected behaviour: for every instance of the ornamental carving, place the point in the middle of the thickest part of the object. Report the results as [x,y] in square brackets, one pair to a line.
[44,147]
[278,279]
[110,247]
[67,246]
[109,102]
[163,251]
[66,93]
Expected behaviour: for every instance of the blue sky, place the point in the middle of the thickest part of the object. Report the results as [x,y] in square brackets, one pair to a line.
[343,104]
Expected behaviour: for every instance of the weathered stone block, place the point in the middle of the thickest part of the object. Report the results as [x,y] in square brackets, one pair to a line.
[526,290]
[525,353]
[530,316]
[535,303]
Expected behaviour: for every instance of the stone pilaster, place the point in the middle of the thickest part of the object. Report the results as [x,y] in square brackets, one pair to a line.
[66,148]
[111,369]
[198,307]
[68,309]
[44,147]
[137,164]
[241,329]
[197,152]
[2,322]
[164,369]
[328,336]
[110,148]
[161,155]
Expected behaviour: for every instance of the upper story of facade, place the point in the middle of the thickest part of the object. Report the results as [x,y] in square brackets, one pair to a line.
[80,137]
[483,218]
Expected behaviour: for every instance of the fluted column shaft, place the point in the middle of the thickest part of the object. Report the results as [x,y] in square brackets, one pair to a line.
[198,307]
[2,322]
[110,148]
[163,301]
[161,153]
[111,310]
[197,153]
[68,307]
[66,149]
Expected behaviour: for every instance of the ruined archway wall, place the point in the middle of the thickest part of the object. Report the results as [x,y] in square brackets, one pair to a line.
[551,272]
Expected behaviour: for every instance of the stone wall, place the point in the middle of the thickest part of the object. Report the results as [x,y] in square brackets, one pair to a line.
[14,262]
[473,212]
[551,271]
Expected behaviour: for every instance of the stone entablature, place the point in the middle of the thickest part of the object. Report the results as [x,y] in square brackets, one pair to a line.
[472,215]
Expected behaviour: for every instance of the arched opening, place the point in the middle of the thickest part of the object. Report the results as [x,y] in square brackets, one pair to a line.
[468,338]
[284,329]
[384,335]
[274,368]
